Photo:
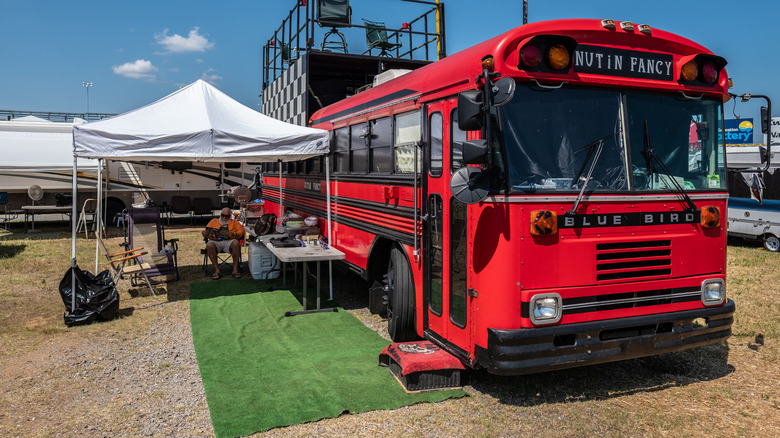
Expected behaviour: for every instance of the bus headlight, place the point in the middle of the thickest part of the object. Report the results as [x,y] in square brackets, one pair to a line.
[713,292]
[545,308]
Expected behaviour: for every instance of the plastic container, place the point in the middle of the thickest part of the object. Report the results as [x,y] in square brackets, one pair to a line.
[263,264]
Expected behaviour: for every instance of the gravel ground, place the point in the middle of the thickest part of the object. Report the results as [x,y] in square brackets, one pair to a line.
[137,375]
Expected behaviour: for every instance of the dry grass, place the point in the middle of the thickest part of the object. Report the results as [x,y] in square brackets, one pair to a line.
[730,389]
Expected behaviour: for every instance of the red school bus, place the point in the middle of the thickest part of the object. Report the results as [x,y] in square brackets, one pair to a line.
[549,198]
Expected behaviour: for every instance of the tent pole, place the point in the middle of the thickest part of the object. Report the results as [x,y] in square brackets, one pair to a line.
[330,234]
[281,209]
[73,214]
[98,212]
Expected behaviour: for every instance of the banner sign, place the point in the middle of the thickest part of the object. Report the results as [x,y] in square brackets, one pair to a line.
[738,131]
[775,131]
[619,62]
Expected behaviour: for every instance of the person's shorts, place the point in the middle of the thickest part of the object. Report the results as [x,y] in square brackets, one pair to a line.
[222,245]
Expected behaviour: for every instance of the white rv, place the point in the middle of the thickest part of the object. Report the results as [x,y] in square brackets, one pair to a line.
[747,217]
[37,152]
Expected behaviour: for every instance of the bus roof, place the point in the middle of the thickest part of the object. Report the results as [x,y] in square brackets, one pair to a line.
[459,71]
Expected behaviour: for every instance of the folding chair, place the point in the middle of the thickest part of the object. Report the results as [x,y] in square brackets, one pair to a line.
[145,229]
[8,216]
[224,259]
[181,205]
[118,263]
[88,212]
[202,206]
[376,37]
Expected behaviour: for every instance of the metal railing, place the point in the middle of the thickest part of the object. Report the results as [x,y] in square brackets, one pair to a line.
[295,36]
[53,116]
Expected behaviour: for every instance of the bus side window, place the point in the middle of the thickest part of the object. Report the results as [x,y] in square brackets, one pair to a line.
[381,144]
[435,147]
[458,263]
[457,137]
[341,150]
[358,148]
[407,135]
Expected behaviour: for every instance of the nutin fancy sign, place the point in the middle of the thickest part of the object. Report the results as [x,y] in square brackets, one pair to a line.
[739,131]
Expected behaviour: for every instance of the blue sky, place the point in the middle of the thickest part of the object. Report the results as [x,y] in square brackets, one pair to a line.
[135,52]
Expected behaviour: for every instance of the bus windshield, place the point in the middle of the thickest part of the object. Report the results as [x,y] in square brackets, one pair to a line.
[554,139]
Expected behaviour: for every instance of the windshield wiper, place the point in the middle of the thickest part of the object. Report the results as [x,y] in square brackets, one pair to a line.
[597,146]
[649,154]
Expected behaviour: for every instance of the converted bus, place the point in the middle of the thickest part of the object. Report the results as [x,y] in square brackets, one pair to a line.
[532,203]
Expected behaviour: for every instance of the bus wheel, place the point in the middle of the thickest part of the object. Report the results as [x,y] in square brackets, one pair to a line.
[771,243]
[399,285]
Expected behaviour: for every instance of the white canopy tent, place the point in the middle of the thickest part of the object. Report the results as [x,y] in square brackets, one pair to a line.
[196,123]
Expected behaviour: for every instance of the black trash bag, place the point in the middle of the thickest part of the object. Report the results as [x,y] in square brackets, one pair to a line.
[96,297]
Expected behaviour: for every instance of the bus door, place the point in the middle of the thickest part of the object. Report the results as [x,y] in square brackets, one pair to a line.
[445,243]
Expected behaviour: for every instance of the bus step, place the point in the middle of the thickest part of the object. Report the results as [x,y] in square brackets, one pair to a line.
[423,366]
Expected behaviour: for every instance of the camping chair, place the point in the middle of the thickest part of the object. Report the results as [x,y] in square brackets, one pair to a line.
[120,263]
[336,14]
[224,259]
[376,37]
[201,207]
[181,205]
[145,229]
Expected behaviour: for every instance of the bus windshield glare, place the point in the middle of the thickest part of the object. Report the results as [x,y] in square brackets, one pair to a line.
[552,140]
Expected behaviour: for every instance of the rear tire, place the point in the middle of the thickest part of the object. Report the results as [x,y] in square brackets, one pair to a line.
[400,305]
[771,243]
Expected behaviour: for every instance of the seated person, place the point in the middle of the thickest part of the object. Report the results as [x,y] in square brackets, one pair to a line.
[223,235]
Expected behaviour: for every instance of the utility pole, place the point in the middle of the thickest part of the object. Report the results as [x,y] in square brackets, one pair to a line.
[87,85]
[525,11]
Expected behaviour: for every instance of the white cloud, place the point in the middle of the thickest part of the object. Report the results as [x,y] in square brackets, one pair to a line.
[176,43]
[210,77]
[139,69]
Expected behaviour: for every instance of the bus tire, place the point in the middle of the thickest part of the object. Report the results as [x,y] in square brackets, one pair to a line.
[771,243]
[400,305]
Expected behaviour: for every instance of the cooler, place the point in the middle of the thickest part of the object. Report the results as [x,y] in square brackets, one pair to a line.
[263,265]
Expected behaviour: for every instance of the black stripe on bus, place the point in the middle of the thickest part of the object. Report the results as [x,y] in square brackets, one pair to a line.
[364,106]
[376,230]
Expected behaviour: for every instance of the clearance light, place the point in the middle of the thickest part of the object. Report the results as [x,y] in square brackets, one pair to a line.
[713,292]
[710,216]
[488,62]
[558,57]
[627,26]
[545,308]
[608,24]
[530,55]
[709,72]
[689,71]
[645,29]
[544,223]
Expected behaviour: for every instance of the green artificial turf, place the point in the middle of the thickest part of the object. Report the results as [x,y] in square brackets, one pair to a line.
[262,370]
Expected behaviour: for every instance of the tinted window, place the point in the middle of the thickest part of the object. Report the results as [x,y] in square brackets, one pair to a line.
[435,144]
[341,151]
[381,155]
[358,150]
[457,137]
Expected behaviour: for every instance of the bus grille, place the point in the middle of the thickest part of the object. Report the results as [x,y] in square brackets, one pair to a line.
[630,300]
[632,260]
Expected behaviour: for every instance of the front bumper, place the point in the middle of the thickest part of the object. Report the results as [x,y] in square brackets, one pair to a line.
[528,351]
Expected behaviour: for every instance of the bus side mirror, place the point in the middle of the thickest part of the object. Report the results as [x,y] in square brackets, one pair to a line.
[503,91]
[474,151]
[764,119]
[470,110]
